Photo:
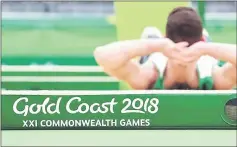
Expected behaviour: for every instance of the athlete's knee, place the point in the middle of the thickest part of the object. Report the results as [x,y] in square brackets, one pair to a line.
[206,36]
[150,32]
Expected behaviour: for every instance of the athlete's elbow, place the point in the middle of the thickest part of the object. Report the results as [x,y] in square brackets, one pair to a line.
[105,57]
[99,55]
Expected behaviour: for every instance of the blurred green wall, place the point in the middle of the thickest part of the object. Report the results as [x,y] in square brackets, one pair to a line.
[63,40]
[56,36]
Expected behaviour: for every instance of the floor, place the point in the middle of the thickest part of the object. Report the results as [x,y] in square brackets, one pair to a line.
[120,138]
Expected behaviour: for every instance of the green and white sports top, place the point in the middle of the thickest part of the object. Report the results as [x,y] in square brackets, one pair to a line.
[204,66]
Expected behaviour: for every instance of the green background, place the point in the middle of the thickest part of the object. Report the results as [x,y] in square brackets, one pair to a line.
[56,36]
[37,40]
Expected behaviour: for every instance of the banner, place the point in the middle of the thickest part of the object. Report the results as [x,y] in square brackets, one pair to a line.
[45,110]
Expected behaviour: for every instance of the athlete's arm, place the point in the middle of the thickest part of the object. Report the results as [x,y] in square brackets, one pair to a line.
[116,59]
[225,76]
[222,51]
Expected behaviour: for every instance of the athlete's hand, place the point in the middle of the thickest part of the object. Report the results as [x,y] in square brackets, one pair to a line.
[193,53]
[173,51]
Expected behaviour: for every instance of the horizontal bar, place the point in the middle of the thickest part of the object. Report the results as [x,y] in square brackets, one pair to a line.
[221,16]
[58,79]
[113,92]
[50,68]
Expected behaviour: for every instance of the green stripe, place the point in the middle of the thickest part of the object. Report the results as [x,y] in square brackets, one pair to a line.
[60,86]
[62,22]
[54,74]
[201,10]
[42,60]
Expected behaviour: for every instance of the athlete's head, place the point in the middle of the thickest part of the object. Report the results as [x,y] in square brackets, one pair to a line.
[184,24]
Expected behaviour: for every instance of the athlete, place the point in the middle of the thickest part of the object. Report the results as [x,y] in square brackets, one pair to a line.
[179,61]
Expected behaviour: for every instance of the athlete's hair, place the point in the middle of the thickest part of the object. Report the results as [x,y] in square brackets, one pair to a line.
[184,24]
